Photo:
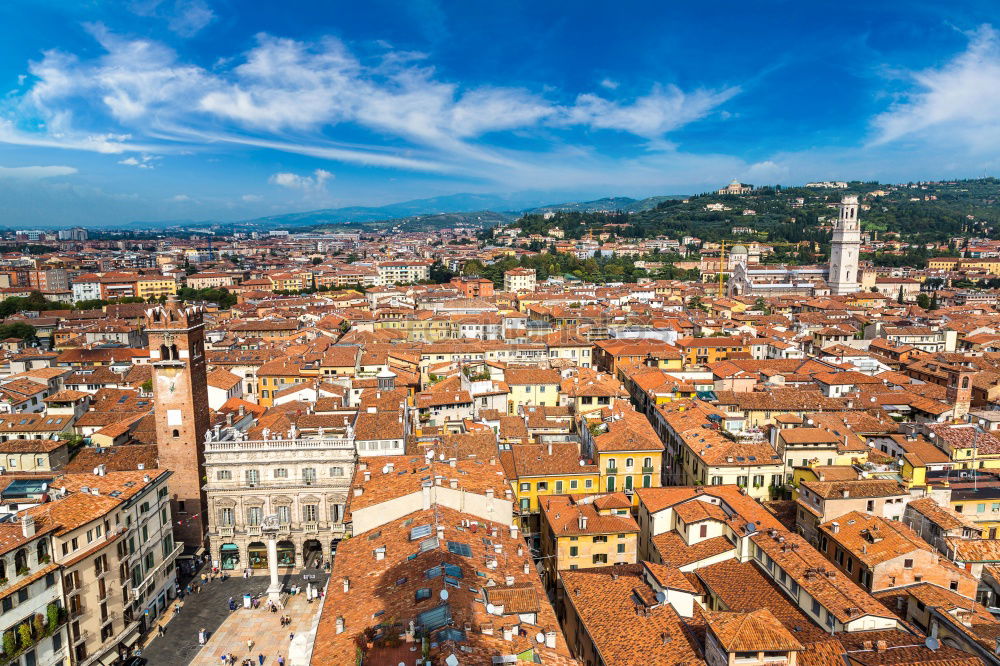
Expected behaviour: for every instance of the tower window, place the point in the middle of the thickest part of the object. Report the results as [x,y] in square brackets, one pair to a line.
[176,433]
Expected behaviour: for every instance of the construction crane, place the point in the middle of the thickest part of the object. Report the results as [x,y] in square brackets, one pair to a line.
[722,256]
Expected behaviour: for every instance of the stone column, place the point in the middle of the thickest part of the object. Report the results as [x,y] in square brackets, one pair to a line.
[274,589]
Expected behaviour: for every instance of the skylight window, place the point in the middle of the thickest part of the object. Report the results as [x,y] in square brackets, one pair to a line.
[420,532]
[459,549]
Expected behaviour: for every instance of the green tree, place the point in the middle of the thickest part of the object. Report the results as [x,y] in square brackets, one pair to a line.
[924,301]
[17,329]
[899,296]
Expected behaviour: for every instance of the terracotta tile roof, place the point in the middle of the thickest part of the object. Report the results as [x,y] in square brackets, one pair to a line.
[525,460]
[386,590]
[839,595]
[115,458]
[974,550]
[866,488]
[982,627]
[755,591]
[568,517]
[873,540]
[675,552]
[31,445]
[75,510]
[944,517]
[408,473]
[753,631]
[604,599]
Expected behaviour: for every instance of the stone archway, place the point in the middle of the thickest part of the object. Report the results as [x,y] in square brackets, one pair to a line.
[312,554]
[229,556]
[286,554]
[257,555]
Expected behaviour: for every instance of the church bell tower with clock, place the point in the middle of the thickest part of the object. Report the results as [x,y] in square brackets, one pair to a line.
[180,394]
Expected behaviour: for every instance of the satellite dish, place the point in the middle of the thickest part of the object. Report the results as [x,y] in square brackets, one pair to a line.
[444,595]
[661,597]
[430,454]
[932,643]
[540,637]
[491,609]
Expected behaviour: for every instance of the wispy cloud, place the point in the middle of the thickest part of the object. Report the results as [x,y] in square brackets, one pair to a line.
[186,18]
[36,172]
[293,181]
[956,102]
[139,96]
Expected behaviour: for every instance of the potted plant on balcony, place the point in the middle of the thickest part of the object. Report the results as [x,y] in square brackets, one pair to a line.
[52,614]
[9,643]
[24,633]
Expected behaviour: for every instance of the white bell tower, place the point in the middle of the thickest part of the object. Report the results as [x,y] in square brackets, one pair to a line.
[845,248]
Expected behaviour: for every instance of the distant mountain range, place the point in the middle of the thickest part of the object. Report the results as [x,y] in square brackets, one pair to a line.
[445,211]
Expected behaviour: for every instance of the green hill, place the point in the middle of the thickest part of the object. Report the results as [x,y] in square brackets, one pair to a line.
[923,212]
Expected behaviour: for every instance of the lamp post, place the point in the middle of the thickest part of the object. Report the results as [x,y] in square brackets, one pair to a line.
[270,528]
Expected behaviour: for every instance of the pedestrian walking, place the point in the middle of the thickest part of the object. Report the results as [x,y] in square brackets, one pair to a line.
[159,630]
[260,659]
[249,645]
[291,636]
[281,660]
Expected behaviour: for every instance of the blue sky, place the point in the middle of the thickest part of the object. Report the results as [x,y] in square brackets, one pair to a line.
[228,109]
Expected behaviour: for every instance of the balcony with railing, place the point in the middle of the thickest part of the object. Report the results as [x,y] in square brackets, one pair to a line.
[155,571]
[327,443]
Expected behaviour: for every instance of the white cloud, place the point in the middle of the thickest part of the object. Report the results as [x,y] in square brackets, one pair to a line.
[251,198]
[956,102]
[180,198]
[35,172]
[661,111]
[294,181]
[610,84]
[290,96]
[143,161]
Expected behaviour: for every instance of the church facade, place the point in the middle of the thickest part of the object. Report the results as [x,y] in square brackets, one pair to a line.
[841,277]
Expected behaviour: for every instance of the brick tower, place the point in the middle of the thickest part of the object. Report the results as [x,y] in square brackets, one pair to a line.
[180,393]
[959,389]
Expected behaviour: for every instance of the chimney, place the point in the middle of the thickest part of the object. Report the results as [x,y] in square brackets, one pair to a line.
[347,585]
[243,410]
[340,624]
[453,462]
[508,580]
[440,532]
[380,553]
[358,490]
[845,492]
[508,633]
[229,419]
[368,475]
[550,448]
[28,527]
[835,527]
[426,493]
[550,639]
[453,484]
[527,568]
[582,522]
[489,494]
[513,531]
